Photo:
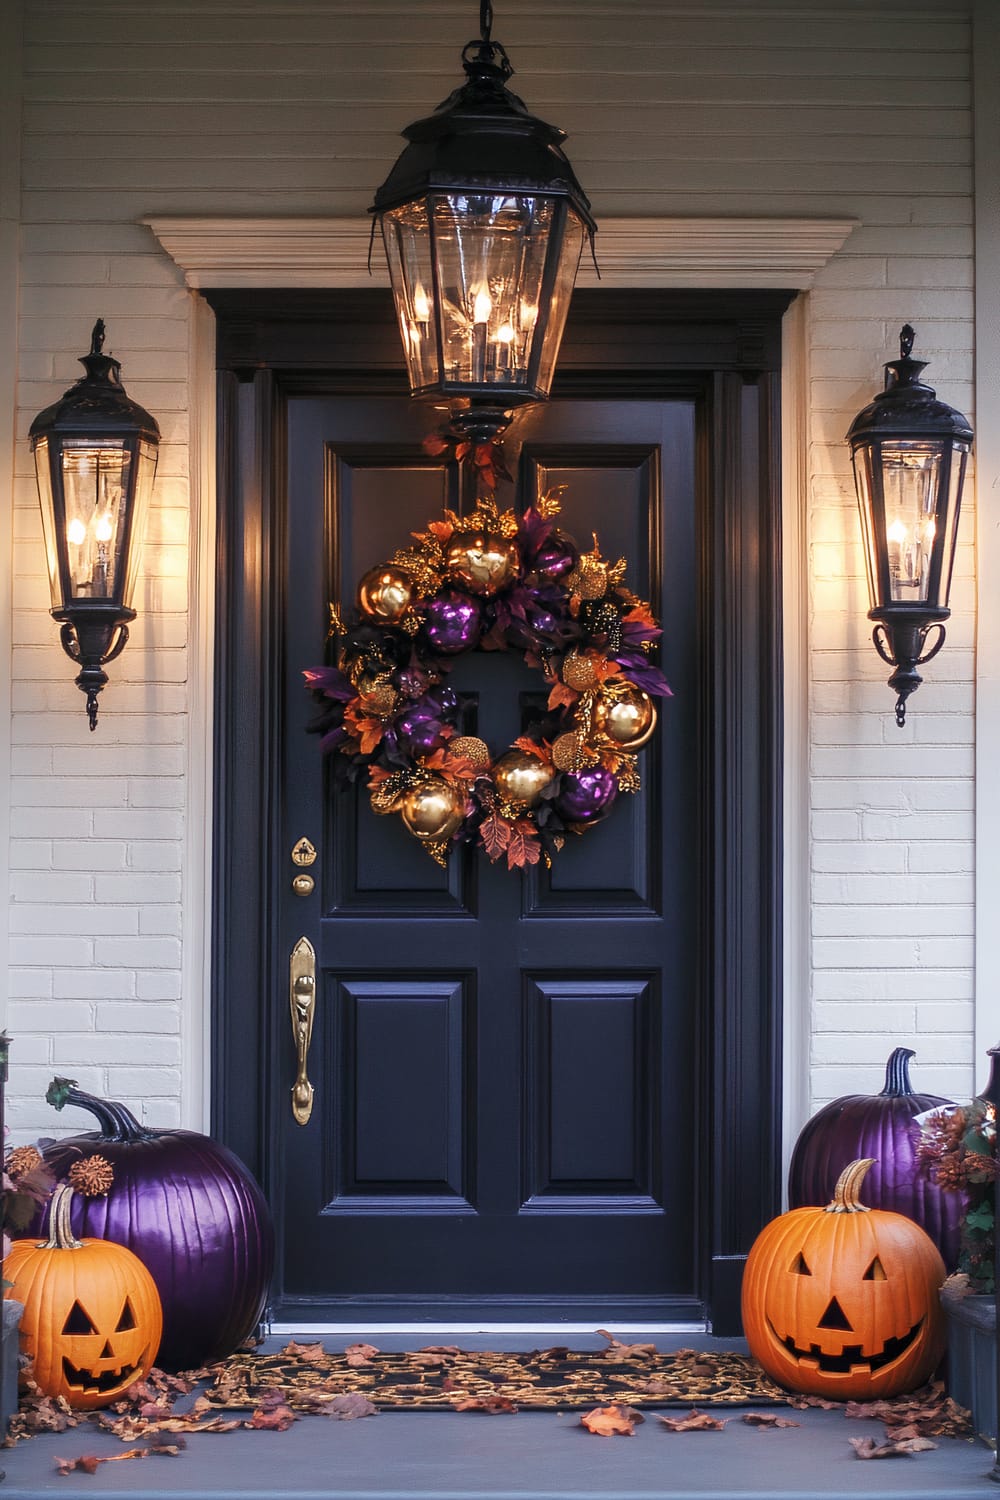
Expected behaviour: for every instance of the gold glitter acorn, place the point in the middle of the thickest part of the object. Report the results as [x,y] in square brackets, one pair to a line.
[568,753]
[21,1161]
[473,749]
[589,578]
[433,809]
[625,716]
[521,778]
[380,699]
[384,594]
[92,1176]
[578,672]
[481,562]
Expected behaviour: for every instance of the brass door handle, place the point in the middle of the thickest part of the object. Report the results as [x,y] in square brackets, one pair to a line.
[302,1001]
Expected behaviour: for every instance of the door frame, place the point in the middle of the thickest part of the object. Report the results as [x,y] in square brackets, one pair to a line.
[726,348]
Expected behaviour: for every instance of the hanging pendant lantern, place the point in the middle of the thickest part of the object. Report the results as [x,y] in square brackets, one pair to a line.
[910,452]
[484,224]
[95,457]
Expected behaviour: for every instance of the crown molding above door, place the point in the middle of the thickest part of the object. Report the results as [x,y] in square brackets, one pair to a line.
[333,253]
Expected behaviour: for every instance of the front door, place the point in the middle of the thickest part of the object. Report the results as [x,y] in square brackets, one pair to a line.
[547,1095]
[504,1064]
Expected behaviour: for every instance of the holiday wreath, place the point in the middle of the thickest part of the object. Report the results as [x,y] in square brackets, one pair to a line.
[495,582]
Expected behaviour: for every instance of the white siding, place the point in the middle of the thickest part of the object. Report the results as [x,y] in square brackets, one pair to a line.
[246,107]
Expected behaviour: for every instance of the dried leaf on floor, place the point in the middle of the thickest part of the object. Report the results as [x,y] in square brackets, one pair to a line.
[491,1404]
[347,1408]
[764,1419]
[695,1421]
[360,1354]
[272,1414]
[306,1354]
[611,1421]
[617,1350]
[930,1410]
[872,1448]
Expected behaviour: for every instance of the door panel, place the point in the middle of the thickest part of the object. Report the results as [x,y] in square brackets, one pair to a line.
[505,1058]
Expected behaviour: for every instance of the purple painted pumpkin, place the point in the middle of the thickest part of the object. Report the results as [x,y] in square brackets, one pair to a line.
[880,1126]
[191,1212]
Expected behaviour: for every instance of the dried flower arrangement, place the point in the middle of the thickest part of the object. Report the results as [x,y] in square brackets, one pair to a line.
[957,1150]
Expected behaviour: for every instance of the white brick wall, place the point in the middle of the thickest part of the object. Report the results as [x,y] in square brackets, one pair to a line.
[779,108]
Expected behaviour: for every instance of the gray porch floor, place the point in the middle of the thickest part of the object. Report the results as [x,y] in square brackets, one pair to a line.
[530,1455]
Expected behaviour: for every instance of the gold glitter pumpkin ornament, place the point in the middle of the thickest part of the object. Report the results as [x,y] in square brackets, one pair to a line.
[384,594]
[482,563]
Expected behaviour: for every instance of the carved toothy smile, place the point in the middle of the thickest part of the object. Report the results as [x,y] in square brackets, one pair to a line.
[89,1381]
[851,1356]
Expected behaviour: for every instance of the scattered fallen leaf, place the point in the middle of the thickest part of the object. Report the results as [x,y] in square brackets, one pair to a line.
[347,1408]
[803,1403]
[491,1404]
[87,1462]
[611,1421]
[360,1354]
[764,1419]
[272,1413]
[617,1350]
[440,1349]
[930,1411]
[306,1354]
[872,1448]
[696,1421]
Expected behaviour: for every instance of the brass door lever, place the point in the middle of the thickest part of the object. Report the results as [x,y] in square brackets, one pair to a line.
[302,1001]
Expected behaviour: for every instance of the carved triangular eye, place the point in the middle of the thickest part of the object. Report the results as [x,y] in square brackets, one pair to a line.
[78,1321]
[875,1272]
[127,1319]
[800,1268]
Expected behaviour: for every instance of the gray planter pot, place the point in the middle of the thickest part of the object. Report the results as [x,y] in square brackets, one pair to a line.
[9,1349]
[972,1358]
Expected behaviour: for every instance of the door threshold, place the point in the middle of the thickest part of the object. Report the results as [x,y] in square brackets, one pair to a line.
[301,1328]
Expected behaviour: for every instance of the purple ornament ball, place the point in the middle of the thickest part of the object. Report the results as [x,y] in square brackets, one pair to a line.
[418,729]
[453,623]
[557,556]
[585,796]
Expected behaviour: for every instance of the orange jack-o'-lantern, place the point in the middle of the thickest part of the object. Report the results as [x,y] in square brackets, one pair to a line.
[92,1319]
[842,1301]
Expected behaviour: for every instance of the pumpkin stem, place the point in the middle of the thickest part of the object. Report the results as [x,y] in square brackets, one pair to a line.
[845,1194]
[117,1123]
[897,1074]
[61,1236]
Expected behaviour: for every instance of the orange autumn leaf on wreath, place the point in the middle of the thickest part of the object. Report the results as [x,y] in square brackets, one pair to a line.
[442,530]
[495,834]
[367,730]
[603,666]
[611,1421]
[457,769]
[561,695]
[640,615]
[523,847]
[542,752]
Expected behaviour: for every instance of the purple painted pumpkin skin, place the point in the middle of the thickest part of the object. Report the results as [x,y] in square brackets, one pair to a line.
[881,1126]
[192,1213]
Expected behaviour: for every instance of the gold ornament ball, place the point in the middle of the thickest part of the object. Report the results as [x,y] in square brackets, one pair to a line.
[432,809]
[626,716]
[384,594]
[473,749]
[567,752]
[521,778]
[578,672]
[589,578]
[482,563]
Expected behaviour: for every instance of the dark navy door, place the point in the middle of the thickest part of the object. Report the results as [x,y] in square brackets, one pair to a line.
[505,1065]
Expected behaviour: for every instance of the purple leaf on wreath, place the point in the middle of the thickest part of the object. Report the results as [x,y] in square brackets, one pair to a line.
[532,534]
[634,633]
[331,682]
[638,670]
[333,739]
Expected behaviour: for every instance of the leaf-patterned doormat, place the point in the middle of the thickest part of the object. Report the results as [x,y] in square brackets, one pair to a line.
[443,1378]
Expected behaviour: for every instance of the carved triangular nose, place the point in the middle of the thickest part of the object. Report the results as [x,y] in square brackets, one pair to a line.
[834,1317]
[107,1352]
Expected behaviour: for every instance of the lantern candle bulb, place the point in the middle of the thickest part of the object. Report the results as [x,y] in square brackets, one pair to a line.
[482,308]
[505,338]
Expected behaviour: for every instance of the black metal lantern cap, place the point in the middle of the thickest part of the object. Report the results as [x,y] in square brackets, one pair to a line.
[95,457]
[484,223]
[909,452]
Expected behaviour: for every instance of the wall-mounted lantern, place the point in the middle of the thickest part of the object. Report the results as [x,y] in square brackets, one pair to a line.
[483,223]
[910,453]
[95,457]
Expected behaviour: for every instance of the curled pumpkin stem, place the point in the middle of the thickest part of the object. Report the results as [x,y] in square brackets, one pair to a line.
[845,1195]
[61,1236]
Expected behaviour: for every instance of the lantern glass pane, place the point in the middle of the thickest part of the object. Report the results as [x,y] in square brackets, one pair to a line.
[948,522]
[861,457]
[95,475]
[407,240]
[43,474]
[911,482]
[145,470]
[562,290]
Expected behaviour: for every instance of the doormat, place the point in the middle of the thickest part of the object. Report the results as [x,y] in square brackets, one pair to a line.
[443,1378]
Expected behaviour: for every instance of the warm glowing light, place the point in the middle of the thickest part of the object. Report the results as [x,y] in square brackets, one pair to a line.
[482,307]
[104,530]
[505,333]
[529,316]
[76,532]
[421,306]
[898,533]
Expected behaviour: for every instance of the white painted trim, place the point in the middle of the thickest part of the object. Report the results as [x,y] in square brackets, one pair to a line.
[197,905]
[555,1331]
[11,24]
[703,252]
[985,50]
[796,1102]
